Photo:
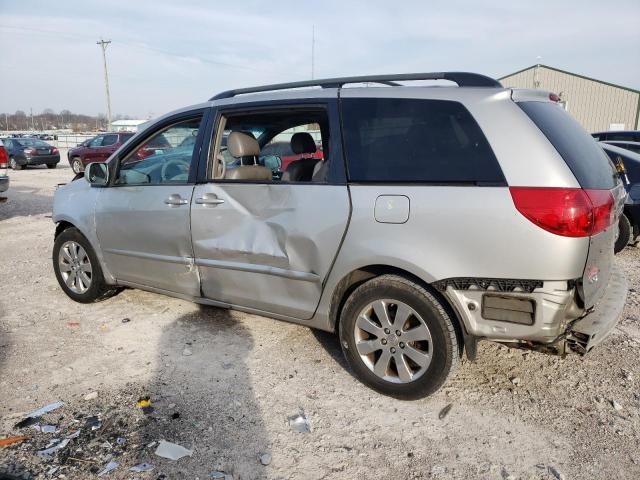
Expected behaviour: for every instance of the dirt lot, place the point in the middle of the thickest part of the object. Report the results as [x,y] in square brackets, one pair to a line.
[233,379]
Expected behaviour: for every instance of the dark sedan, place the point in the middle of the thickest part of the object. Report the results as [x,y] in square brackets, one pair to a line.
[30,151]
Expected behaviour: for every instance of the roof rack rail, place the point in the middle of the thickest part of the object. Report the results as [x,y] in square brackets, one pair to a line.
[463,79]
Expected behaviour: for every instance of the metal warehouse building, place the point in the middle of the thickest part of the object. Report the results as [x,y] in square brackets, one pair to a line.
[597,105]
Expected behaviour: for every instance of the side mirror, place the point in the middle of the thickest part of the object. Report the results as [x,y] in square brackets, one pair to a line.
[97,174]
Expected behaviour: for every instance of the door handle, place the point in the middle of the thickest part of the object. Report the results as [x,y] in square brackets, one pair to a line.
[175,200]
[209,199]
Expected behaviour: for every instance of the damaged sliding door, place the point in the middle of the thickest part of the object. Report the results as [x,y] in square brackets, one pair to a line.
[267,246]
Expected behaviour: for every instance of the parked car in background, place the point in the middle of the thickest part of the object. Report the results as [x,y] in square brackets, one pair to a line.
[285,151]
[96,149]
[624,135]
[4,168]
[31,151]
[628,165]
[425,227]
[631,146]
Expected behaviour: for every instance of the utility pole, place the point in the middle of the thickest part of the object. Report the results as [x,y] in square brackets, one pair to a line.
[103,44]
[33,127]
[313,49]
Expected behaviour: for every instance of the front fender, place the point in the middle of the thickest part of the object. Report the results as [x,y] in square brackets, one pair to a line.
[75,203]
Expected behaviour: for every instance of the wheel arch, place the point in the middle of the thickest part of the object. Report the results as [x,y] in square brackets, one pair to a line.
[349,282]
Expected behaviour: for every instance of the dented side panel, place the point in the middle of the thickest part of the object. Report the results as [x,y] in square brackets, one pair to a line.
[268,246]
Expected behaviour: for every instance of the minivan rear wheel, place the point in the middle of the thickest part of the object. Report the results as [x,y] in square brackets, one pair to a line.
[398,338]
[77,268]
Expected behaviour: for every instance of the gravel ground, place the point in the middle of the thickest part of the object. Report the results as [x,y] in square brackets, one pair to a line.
[224,383]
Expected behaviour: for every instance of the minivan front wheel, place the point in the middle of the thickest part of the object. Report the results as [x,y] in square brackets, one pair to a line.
[398,338]
[77,268]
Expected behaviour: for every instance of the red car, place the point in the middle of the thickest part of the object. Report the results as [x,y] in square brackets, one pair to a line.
[283,150]
[96,149]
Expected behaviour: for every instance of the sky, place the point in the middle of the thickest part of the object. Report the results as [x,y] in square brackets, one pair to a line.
[165,55]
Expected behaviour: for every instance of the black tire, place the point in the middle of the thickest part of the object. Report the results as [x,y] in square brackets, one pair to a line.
[52,165]
[13,163]
[76,165]
[98,289]
[444,348]
[624,234]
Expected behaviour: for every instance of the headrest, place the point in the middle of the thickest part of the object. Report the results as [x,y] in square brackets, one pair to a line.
[302,142]
[241,144]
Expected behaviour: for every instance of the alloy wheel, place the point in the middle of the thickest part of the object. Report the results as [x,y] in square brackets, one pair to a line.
[75,267]
[77,166]
[393,341]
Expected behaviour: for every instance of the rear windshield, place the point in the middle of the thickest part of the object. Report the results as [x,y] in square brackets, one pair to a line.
[32,142]
[589,164]
[421,141]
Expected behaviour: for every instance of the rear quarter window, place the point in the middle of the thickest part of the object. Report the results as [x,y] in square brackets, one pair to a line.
[581,152]
[415,141]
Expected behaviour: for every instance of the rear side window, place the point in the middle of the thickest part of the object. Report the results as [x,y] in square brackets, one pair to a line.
[418,141]
[109,140]
[589,164]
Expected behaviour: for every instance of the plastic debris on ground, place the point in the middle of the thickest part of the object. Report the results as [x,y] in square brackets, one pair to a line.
[172,451]
[145,404]
[11,440]
[93,422]
[299,423]
[53,446]
[126,320]
[445,411]
[221,475]
[45,428]
[73,324]
[32,418]
[141,467]
[108,467]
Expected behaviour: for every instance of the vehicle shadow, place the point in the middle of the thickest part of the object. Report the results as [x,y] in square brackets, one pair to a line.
[24,201]
[331,344]
[203,398]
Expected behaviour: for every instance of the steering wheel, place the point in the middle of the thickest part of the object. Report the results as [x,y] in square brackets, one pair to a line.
[183,165]
[223,165]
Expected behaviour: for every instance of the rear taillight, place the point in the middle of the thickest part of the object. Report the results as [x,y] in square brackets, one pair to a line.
[54,150]
[30,151]
[3,157]
[570,212]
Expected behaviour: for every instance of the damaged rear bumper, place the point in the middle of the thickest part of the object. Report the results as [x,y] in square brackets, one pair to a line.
[589,331]
[540,316]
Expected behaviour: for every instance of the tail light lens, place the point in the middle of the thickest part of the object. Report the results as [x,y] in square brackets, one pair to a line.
[54,150]
[3,158]
[29,151]
[569,212]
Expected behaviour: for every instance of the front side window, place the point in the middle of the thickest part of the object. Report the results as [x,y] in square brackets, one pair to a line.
[279,146]
[415,141]
[165,157]
[96,142]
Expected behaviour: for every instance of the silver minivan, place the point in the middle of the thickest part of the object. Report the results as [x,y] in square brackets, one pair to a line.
[414,221]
